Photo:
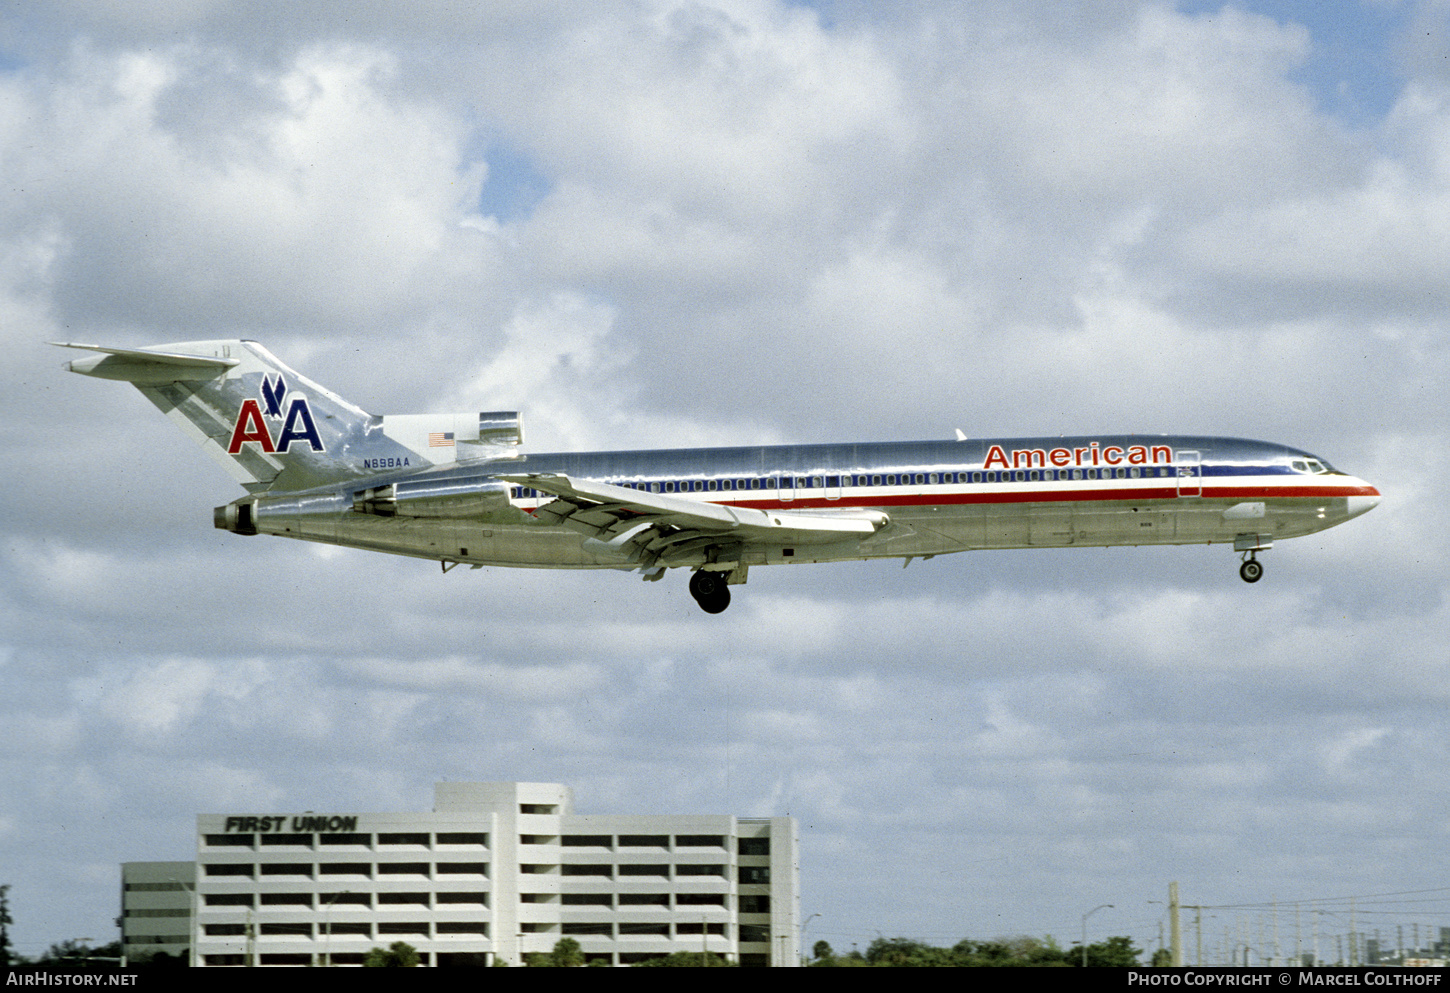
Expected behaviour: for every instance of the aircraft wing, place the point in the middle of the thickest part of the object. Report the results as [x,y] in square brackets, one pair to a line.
[659,528]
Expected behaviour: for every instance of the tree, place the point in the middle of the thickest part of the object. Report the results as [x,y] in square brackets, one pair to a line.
[821,951]
[1115,953]
[5,921]
[566,955]
[899,951]
[398,954]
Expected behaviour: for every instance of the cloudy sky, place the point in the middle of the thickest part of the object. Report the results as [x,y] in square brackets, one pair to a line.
[651,224]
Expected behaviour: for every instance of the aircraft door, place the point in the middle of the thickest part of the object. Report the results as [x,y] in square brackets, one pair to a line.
[787,488]
[1188,466]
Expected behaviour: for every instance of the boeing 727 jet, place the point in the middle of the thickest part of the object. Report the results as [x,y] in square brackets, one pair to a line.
[456,488]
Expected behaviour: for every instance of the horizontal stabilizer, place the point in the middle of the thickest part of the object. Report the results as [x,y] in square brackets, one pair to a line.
[138,365]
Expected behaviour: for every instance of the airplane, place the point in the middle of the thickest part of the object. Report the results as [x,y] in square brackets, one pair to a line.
[455,488]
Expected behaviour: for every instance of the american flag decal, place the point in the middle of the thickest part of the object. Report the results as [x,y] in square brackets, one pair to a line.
[440,439]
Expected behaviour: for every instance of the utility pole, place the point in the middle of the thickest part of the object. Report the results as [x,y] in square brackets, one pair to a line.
[1175,933]
[1084,929]
[1353,937]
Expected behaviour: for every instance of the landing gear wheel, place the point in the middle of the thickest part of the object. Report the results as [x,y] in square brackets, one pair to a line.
[710,591]
[1251,571]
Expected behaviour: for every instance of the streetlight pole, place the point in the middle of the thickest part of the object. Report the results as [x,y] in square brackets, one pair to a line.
[805,924]
[1084,930]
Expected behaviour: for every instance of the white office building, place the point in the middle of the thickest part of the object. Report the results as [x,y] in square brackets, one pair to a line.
[496,870]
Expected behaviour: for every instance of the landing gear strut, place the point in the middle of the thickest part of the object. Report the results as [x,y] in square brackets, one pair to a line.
[1252,570]
[710,591]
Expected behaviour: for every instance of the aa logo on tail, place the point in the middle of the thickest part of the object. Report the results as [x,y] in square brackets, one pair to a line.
[296,426]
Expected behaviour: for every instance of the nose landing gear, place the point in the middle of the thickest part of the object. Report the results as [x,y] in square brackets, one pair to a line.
[709,590]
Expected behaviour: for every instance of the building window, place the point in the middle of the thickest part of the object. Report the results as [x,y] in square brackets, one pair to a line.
[755,904]
[287,929]
[404,838]
[478,898]
[403,927]
[402,868]
[687,928]
[334,899]
[228,899]
[229,841]
[287,869]
[699,870]
[224,930]
[154,887]
[644,899]
[606,870]
[653,869]
[229,869]
[754,874]
[286,899]
[347,928]
[463,927]
[587,900]
[463,838]
[633,928]
[463,868]
[287,839]
[345,839]
[754,846]
[699,899]
[587,929]
[644,841]
[416,898]
[754,932]
[700,841]
[364,869]
[588,841]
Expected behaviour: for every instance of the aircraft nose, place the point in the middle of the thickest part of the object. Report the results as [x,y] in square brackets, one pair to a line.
[1364,503]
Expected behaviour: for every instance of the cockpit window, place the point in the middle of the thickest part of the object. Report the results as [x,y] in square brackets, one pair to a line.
[1317,466]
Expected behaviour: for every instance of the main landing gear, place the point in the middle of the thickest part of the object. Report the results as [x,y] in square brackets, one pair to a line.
[709,590]
[1252,570]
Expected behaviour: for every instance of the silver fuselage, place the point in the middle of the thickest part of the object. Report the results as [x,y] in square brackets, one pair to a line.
[946,496]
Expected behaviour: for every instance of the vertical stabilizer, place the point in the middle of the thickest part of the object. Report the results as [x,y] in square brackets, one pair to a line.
[268,425]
